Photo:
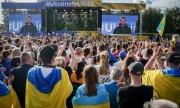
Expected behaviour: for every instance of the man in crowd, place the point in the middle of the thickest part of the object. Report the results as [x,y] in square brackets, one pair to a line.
[146,56]
[175,43]
[165,81]
[122,56]
[135,94]
[47,86]
[122,28]
[28,27]
[20,74]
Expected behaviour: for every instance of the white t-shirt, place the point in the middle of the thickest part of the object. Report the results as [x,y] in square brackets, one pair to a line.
[46,71]
[88,61]
[118,64]
[68,52]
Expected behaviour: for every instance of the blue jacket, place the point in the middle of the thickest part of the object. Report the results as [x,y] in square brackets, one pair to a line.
[1,74]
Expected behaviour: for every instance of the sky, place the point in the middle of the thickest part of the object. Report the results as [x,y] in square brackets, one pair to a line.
[163,4]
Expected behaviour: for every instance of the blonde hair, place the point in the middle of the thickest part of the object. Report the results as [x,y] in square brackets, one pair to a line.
[104,63]
[16,52]
[60,62]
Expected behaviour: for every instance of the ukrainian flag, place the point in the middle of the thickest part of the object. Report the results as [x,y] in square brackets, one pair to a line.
[101,100]
[166,85]
[161,26]
[49,92]
[8,98]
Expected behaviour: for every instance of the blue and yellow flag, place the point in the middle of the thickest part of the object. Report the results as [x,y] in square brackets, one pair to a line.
[161,26]
[166,83]
[101,100]
[8,97]
[49,92]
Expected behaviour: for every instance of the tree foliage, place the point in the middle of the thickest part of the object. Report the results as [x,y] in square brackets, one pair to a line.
[153,16]
[5,19]
[151,19]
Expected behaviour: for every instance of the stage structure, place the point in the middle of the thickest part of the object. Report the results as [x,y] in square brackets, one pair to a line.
[63,15]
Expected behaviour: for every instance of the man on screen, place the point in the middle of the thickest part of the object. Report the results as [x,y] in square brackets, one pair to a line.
[28,27]
[122,28]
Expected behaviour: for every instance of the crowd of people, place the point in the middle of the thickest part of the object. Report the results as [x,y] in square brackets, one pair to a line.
[72,72]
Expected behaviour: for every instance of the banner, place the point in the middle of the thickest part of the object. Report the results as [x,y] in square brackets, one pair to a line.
[110,22]
[126,37]
[72,3]
[17,21]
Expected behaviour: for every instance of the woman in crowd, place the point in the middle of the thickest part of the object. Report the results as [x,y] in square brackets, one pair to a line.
[87,54]
[76,77]
[104,68]
[91,94]
[127,62]
[60,62]
[76,80]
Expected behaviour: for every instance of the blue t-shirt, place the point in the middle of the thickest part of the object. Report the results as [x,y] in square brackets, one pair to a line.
[112,89]
[1,74]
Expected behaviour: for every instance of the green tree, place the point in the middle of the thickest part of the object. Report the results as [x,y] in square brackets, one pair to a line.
[170,27]
[151,19]
[153,16]
[5,13]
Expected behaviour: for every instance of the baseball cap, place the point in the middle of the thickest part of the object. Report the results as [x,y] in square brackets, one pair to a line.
[122,54]
[136,68]
[173,57]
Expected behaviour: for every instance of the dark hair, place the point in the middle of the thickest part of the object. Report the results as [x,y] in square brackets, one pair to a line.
[1,48]
[87,51]
[94,52]
[5,54]
[15,61]
[118,46]
[55,47]
[80,68]
[90,77]
[127,62]
[102,47]
[29,16]
[114,45]
[17,40]
[174,58]
[7,47]
[124,46]
[132,47]
[64,54]
[149,52]
[94,48]
[9,41]
[123,17]
[47,54]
